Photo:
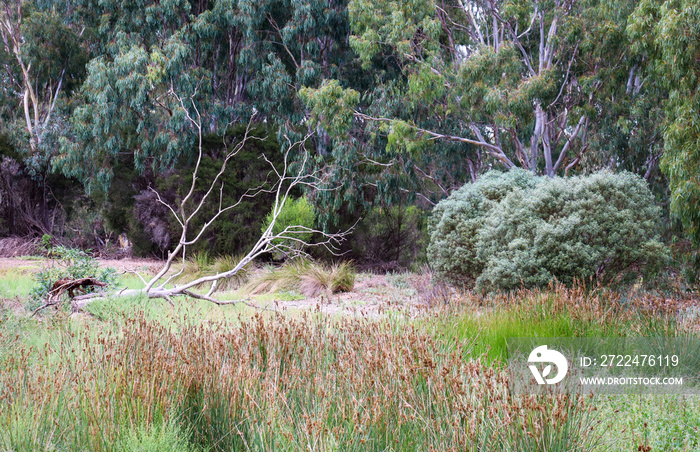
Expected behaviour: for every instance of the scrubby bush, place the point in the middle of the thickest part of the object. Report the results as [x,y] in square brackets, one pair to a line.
[456,222]
[602,227]
[390,238]
[294,213]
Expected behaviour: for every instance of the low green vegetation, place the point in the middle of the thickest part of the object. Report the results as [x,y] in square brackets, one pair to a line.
[305,277]
[16,282]
[68,263]
[132,373]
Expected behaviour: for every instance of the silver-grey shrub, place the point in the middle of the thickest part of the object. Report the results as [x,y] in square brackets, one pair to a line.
[455,223]
[602,227]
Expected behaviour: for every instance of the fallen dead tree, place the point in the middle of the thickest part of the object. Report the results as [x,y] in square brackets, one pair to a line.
[281,182]
[68,286]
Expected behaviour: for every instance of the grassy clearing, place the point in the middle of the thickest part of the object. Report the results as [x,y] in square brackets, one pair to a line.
[138,374]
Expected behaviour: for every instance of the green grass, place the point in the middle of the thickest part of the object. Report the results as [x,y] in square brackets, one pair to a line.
[558,313]
[162,436]
[489,331]
[666,423]
[130,281]
[16,282]
[140,374]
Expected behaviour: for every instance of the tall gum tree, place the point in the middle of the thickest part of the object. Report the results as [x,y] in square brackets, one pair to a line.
[240,56]
[42,61]
[506,80]
[668,34]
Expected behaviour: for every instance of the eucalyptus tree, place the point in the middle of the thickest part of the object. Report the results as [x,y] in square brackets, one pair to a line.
[43,58]
[281,182]
[515,83]
[42,61]
[667,34]
[127,107]
[239,56]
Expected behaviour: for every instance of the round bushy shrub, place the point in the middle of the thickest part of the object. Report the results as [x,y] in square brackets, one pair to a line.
[602,227]
[456,221]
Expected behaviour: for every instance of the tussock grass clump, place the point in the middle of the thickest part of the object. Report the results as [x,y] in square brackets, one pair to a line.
[195,265]
[202,264]
[280,384]
[227,263]
[317,279]
[308,278]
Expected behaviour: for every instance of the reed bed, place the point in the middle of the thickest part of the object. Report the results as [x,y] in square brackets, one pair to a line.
[306,383]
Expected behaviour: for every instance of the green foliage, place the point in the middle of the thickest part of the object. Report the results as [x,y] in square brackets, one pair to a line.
[295,215]
[126,109]
[238,229]
[396,25]
[456,222]
[133,208]
[167,437]
[390,237]
[521,230]
[54,49]
[332,105]
[68,263]
[668,33]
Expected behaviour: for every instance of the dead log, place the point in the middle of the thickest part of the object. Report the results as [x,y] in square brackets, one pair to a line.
[71,286]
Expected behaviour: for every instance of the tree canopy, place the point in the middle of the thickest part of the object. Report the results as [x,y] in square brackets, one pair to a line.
[403,100]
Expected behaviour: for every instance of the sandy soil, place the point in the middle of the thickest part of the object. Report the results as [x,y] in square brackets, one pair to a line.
[373,295]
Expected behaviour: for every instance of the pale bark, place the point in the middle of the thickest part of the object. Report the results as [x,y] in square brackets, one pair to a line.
[163,285]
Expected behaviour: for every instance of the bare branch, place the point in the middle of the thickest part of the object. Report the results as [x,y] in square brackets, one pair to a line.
[291,237]
[492,149]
